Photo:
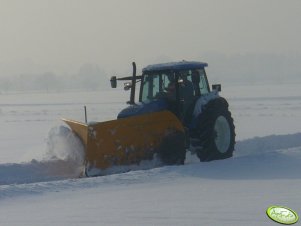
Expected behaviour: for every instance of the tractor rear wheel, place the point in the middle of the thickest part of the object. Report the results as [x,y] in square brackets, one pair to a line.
[216,131]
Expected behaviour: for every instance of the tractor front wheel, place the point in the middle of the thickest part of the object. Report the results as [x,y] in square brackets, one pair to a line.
[172,150]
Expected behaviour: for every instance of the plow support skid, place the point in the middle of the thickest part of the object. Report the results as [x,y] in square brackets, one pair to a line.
[125,141]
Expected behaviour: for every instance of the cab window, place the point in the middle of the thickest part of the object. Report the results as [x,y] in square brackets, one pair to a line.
[200,82]
[196,81]
[153,85]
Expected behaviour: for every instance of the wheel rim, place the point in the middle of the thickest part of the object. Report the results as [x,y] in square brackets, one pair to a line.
[223,134]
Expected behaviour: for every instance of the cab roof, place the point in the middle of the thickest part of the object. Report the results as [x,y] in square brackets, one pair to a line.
[181,65]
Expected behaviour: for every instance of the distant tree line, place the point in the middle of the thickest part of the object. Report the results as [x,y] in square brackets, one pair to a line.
[249,68]
[89,77]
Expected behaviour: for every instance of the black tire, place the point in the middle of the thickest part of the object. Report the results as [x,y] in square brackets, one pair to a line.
[216,131]
[172,150]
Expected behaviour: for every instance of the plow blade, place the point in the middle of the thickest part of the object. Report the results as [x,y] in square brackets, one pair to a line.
[129,140]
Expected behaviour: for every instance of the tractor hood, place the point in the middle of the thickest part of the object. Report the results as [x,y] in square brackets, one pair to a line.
[143,108]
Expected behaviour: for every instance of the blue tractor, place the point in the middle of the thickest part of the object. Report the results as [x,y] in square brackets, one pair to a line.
[182,88]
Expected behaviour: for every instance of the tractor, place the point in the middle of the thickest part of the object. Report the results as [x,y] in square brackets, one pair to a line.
[176,111]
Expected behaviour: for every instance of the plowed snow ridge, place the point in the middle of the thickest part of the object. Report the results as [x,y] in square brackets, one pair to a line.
[64,161]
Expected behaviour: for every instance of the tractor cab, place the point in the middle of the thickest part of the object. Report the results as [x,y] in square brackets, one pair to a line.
[178,84]
[170,86]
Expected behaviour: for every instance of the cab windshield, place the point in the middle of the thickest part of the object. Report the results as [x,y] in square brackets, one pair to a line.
[155,84]
[158,84]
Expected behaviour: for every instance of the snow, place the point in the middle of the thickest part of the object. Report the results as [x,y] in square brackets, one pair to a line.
[39,171]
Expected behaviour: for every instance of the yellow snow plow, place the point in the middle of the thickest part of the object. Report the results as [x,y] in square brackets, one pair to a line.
[129,140]
[176,110]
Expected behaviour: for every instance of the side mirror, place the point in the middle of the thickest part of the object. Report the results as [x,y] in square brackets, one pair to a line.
[113,81]
[217,87]
[127,85]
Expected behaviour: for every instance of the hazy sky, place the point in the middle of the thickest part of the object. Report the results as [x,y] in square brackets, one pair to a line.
[59,36]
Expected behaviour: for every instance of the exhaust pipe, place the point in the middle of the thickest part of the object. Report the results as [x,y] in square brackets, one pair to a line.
[133,87]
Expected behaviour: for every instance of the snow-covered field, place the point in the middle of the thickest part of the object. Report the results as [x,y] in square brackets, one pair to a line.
[39,182]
